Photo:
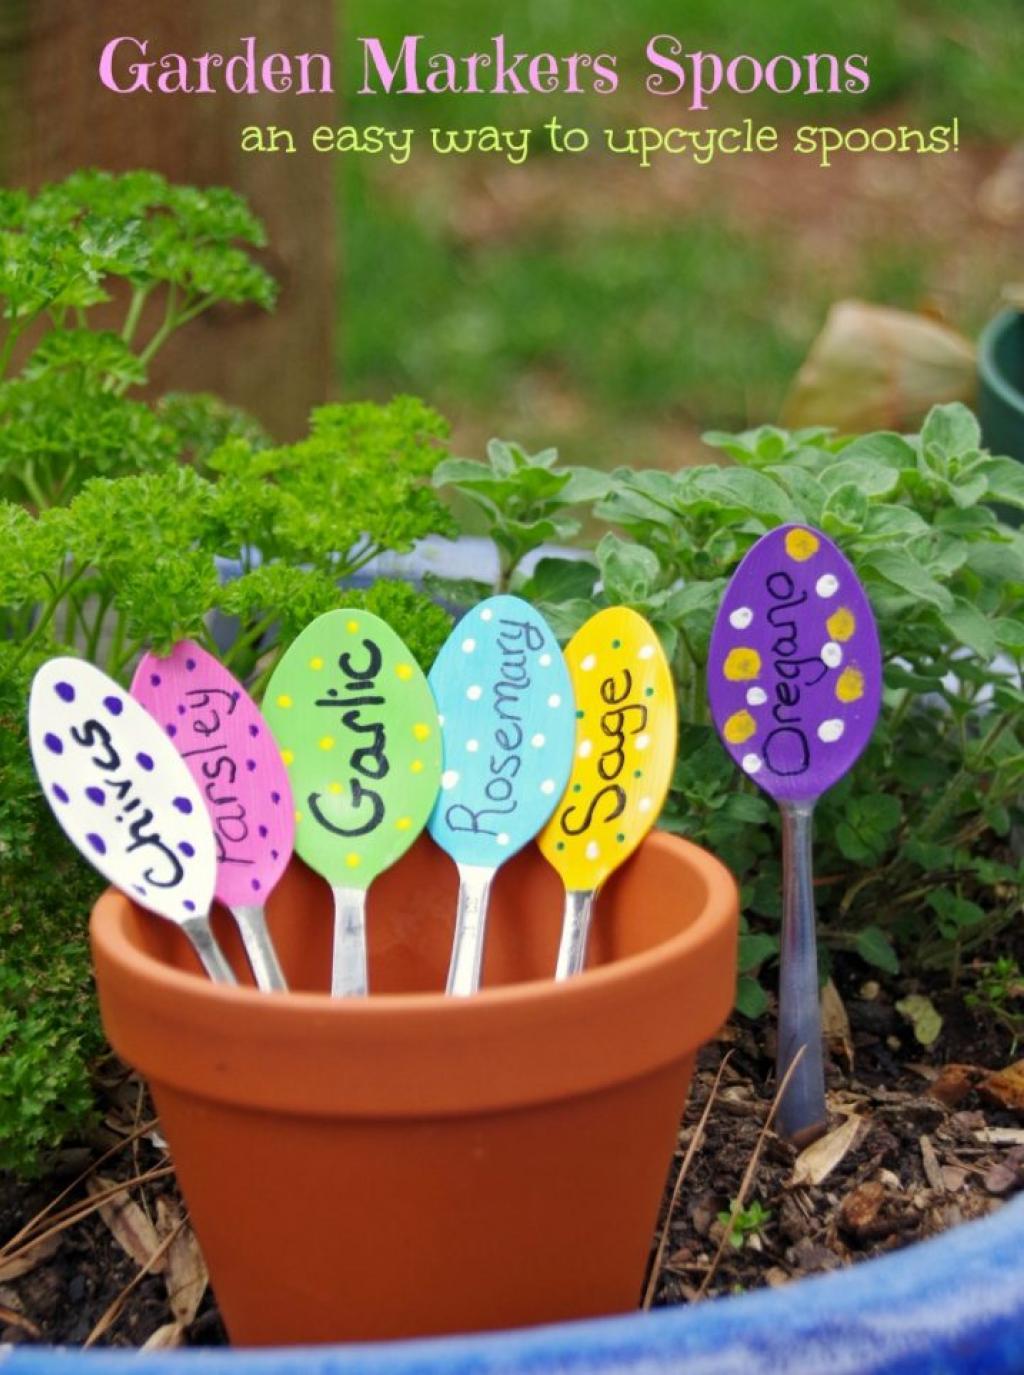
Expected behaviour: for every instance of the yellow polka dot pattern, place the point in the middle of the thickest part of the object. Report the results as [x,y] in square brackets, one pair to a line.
[739,727]
[741,665]
[802,545]
[841,625]
[850,685]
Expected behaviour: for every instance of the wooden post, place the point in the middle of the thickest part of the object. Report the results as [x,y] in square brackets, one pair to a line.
[58,117]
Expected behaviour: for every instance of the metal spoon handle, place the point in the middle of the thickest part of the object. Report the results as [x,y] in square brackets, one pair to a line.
[348,969]
[204,943]
[572,948]
[470,929]
[259,948]
[802,1114]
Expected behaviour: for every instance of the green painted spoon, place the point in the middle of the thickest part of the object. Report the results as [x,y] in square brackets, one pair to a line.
[358,732]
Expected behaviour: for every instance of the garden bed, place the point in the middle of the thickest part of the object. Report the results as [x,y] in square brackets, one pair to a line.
[930,1148]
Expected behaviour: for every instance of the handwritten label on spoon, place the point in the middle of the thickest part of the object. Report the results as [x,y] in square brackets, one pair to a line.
[794,670]
[358,732]
[507,717]
[120,790]
[217,729]
[625,748]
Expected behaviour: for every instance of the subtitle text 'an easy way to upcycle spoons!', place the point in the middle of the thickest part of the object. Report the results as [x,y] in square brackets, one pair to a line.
[358,732]
[507,719]
[125,798]
[231,754]
[795,681]
[625,751]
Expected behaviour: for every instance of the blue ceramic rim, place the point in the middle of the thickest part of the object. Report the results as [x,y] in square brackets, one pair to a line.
[991,373]
[955,1303]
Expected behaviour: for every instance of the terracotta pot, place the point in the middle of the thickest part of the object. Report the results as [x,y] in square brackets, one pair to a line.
[409,1163]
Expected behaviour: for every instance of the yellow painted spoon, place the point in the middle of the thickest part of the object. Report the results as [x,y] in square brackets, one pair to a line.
[625,751]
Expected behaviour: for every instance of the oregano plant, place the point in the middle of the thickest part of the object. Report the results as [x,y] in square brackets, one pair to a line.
[915,846]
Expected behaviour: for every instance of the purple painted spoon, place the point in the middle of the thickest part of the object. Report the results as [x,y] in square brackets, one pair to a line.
[219,732]
[795,682]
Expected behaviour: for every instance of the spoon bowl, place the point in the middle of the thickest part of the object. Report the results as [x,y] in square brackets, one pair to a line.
[507,716]
[624,755]
[217,729]
[124,798]
[358,732]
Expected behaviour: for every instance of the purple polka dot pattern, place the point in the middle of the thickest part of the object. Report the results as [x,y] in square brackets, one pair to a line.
[183,805]
[104,763]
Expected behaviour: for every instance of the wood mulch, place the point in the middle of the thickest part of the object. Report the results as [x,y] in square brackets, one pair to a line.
[99,1252]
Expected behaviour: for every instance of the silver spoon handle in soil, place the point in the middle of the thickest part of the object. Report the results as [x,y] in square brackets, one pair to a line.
[470,929]
[204,943]
[802,1115]
[348,968]
[572,948]
[259,948]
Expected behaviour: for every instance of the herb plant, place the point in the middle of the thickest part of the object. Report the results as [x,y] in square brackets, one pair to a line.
[744,1224]
[135,246]
[914,845]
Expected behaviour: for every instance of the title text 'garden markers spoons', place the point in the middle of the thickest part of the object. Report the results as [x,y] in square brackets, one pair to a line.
[795,681]
[217,729]
[625,751]
[124,797]
[507,719]
[357,726]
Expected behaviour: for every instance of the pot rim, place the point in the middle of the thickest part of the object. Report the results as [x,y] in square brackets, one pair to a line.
[107,929]
[989,367]
[422,1055]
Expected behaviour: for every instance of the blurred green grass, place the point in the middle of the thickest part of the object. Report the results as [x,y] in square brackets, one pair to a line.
[613,329]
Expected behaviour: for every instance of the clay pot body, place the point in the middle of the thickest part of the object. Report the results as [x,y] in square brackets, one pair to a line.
[408,1163]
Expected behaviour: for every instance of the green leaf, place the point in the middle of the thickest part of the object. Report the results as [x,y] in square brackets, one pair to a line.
[969,627]
[845,511]
[874,946]
[951,430]
[956,912]
[901,570]
[628,571]
[755,948]
[557,580]
[751,999]
[871,478]
[1005,481]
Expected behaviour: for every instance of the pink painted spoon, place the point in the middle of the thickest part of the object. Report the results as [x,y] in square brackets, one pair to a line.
[233,758]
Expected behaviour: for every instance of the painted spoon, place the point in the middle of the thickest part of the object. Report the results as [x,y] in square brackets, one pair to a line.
[124,798]
[357,726]
[625,751]
[795,682]
[507,718]
[217,729]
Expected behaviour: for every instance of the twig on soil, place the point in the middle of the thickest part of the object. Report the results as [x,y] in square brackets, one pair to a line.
[34,1222]
[691,1151]
[748,1177]
[112,1313]
[77,1212]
